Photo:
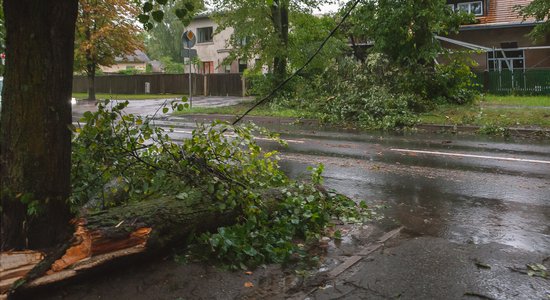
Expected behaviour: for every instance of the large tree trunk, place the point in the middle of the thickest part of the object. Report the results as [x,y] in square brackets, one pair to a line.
[106,237]
[279,17]
[36,115]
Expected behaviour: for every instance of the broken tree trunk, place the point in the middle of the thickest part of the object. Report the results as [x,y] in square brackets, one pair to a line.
[106,236]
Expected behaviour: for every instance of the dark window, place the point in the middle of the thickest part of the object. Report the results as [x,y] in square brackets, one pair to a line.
[502,60]
[205,34]
[242,65]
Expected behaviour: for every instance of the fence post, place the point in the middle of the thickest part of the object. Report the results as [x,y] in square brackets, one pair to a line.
[205,85]
[486,81]
[243,85]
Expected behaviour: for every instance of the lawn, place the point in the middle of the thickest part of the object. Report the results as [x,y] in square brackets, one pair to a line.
[487,116]
[488,112]
[516,100]
[80,96]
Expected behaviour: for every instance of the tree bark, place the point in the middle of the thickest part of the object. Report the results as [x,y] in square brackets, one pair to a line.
[90,71]
[137,229]
[279,17]
[36,115]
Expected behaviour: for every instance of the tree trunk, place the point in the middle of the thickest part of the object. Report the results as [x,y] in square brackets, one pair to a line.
[90,65]
[36,115]
[90,71]
[136,229]
[279,17]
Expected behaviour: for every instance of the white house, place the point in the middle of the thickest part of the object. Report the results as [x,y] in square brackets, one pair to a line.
[212,48]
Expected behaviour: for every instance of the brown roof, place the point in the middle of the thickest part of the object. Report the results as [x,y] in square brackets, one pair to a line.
[503,12]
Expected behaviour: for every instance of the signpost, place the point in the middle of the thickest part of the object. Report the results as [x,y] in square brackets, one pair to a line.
[188,40]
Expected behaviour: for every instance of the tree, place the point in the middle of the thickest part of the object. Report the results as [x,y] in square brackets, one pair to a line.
[405,30]
[36,116]
[35,162]
[164,40]
[105,29]
[261,29]
[540,11]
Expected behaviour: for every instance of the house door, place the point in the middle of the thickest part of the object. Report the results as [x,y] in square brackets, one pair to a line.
[207,67]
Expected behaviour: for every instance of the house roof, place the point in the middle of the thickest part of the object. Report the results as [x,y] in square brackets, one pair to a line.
[138,57]
[501,13]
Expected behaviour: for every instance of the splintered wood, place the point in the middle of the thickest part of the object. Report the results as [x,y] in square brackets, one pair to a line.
[89,249]
[15,265]
[90,244]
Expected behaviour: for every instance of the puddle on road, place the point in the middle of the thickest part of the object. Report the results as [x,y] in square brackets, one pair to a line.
[460,206]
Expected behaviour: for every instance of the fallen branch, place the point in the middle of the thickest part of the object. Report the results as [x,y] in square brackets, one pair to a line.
[106,236]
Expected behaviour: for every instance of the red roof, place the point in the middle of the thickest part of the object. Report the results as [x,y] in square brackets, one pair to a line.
[503,12]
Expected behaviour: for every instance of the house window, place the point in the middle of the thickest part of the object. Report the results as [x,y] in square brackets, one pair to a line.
[242,65]
[475,8]
[502,60]
[205,34]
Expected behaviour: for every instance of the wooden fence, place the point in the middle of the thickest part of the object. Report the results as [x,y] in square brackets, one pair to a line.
[203,84]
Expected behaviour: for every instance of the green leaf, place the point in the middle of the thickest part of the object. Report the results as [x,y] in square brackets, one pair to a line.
[148,26]
[162,2]
[158,15]
[165,110]
[147,7]
[143,18]
[181,13]
[250,251]
[189,6]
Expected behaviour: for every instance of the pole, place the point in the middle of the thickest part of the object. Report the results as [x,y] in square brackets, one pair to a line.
[190,82]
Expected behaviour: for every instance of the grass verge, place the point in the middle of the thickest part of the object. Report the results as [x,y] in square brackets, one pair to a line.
[474,114]
[81,96]
[516,100]
[487,116]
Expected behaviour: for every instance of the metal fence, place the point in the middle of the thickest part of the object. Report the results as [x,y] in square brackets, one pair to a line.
[203,84]
[529,82]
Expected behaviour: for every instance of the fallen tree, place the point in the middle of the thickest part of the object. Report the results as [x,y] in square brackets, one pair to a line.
[106,236]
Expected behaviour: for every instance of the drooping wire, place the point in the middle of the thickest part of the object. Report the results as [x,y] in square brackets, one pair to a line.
[283,83]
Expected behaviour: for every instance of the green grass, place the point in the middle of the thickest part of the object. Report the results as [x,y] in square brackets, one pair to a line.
[516,100]
[80,96]
[494,116]
[262,110]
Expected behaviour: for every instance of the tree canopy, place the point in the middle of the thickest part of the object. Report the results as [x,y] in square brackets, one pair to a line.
[261,28]
[540,10]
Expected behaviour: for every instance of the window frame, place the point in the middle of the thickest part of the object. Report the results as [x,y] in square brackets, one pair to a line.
[495,63]
[199,29]
[469,4]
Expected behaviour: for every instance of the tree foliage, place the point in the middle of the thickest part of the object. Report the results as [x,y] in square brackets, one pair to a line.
[105,30]
[164,39]
[540,11]
[404,30]
[261,28]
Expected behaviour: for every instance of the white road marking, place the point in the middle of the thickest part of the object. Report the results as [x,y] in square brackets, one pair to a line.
[472,155]
[232,135]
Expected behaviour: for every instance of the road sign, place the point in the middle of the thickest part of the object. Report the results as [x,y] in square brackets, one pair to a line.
[189,39]
[189,53]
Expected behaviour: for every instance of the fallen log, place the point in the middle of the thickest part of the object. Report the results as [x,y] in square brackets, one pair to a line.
[106,236]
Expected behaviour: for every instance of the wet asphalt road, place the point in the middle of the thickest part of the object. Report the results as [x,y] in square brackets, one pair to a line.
[471,193]
[462,199]
[502,194]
